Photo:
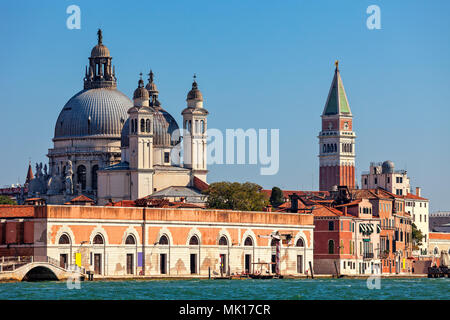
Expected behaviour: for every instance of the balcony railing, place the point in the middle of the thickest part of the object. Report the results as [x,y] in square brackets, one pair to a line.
[368,255]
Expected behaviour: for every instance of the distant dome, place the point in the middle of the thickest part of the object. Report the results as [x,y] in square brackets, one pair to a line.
[387,167]
[100,51]
[165,130]
[141,92]
[195,93]
[93,112]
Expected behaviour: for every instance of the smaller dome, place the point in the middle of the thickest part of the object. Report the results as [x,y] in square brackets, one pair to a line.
[151,85]
[387,167]
[195,93]
[100,51]
[141,92]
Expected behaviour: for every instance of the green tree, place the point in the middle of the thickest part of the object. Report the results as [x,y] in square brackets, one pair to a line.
[417,237]
[235,196]
[276,197]
[7,200]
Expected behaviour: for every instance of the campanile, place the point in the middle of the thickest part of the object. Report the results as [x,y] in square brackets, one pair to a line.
[337,139]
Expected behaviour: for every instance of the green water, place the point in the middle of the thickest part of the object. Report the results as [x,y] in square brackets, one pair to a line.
[289,289]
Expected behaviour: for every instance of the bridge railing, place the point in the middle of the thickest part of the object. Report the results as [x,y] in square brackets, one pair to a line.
[8,264]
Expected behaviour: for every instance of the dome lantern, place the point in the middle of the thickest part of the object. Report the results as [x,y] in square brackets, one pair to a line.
[101,73]
[141,95]
[194,97]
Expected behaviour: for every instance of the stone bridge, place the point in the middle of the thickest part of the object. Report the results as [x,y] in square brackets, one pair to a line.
[35,271]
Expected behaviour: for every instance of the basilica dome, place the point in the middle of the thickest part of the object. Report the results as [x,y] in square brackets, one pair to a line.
[93,112]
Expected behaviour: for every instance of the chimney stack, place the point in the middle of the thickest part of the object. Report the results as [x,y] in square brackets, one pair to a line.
[418,191]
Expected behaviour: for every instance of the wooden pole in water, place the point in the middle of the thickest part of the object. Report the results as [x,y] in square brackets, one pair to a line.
[337,272]
[311,270]
[209,272]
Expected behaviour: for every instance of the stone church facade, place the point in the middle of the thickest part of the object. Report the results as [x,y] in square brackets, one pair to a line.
[101,151]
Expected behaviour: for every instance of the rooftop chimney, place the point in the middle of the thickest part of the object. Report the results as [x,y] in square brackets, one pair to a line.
[418,191]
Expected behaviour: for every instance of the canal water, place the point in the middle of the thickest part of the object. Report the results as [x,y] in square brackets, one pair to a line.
[286,289]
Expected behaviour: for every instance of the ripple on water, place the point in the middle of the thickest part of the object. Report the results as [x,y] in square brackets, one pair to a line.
[290,289]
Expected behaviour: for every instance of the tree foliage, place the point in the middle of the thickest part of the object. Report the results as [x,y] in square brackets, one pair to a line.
[235,196]
[7,200]
[417,236]
[276,197]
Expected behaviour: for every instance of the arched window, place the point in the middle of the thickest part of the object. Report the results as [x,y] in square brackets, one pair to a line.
[81,176]
[193,241]
[324,148]
[94,177]
[300,243]
[142,125]
[436,250]
[248,241]
[64,239]
[223,241]
[130,240]
[197,127]
[164,240]
[203,126]
[147,125]
[132,126]
[98,239]
[335,147]
[330,247]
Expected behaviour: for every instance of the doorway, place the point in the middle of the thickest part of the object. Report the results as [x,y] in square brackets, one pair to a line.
[274,264]
[163,263]
[223,264]
[130,260]
[299,264]
[97,263]
[248,262]
[63,260]
[193,263]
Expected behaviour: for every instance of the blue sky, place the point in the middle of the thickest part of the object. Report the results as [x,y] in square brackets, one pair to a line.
[260,64]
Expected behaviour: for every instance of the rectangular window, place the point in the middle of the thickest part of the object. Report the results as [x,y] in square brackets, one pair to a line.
[330,225]
[375,180]
[342,225]
[166,157]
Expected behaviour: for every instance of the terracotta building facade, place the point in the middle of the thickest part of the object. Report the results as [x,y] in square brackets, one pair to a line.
[157,242]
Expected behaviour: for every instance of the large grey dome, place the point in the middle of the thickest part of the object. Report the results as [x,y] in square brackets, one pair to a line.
[387,167]
[165,130]
[93,112]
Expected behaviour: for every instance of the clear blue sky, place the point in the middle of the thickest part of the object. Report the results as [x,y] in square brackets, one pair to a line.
[260,64]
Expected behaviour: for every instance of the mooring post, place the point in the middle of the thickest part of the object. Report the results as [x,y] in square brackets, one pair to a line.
[337,272]
[209,272]
[311,270]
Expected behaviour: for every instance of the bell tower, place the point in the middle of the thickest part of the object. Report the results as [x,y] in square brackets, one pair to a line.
[194,133]
[337,139]
[141,143]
